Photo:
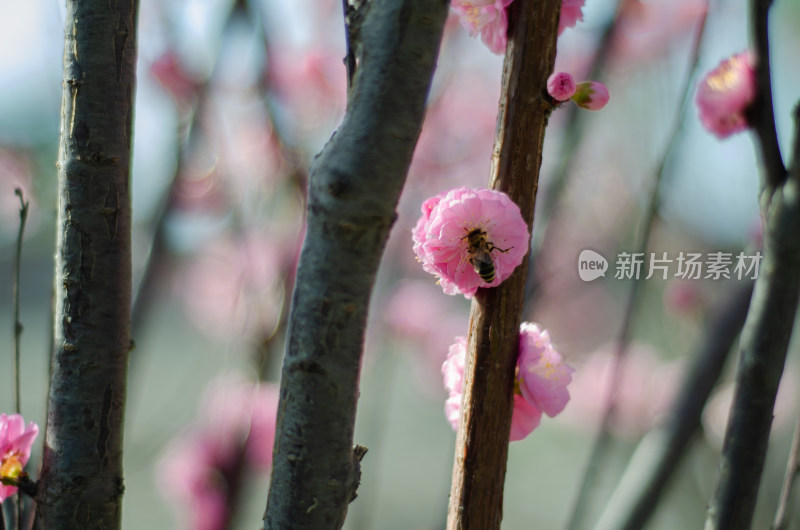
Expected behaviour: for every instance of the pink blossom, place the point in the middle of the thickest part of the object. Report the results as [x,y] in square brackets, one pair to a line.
[647,387]
[725,93]
[571,14]
[16,441]
[591,95]
[441,238]
[543,376]
[487,17]
[561,86]
[544,391]
[524,418]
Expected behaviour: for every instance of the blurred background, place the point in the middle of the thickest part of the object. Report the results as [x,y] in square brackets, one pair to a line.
[233,101]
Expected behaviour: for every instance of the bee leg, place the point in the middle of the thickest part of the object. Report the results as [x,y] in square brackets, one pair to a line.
[492,247]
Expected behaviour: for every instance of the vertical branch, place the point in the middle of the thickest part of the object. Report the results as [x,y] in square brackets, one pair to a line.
[766,334]
[23,216]
[354,187]
[81,481]
[476,496]
[762,115]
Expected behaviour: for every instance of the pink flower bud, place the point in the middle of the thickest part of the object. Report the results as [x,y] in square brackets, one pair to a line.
[724,95]
[591,95]
[561,86]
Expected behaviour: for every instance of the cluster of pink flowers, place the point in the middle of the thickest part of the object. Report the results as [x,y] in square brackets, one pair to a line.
[589,95]
[202,468]
[470,239]
[490,19]
[725,94]
[16,441]
[540,386]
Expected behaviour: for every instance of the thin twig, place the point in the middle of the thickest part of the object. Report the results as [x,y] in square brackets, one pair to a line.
[603,437]
[23,216]
[350,56]
[783,512]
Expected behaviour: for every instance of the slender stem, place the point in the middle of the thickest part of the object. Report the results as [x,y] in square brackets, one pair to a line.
[783,513]
[23,216]
[476,496]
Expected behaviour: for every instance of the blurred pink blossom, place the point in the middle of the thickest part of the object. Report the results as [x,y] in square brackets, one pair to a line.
[16,441]
[235,286]
[561,86]
[571,14]
[683,297]
[647,388]
[487,17]
[234,434]
[181,85]
[725,93]
[15,173]
[544,391]
[591,95]
[443,238]
[647,30]
[543,375]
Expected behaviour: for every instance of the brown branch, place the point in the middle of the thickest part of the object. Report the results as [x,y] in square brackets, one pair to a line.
[476,497]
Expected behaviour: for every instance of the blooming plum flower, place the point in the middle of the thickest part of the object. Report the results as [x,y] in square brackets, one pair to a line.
[571,14]
[561,86]
[525,417]
[591,95]
[16,441]
[544,390]
[543,376]
[464,231]
[725,93]
[487,17]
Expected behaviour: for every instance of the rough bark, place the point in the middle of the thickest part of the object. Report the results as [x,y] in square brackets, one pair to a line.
[81,481]
[476,495]
[354,187]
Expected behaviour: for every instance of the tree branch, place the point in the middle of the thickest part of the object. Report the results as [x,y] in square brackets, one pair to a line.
[761,114]
[637,494]
[476,497]
[769,324]
[354,188]
[81,482]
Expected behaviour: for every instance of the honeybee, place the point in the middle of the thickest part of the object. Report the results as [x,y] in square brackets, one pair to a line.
[480,253]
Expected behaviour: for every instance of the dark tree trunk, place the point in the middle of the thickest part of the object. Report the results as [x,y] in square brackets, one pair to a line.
[354,187]
[81,483]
